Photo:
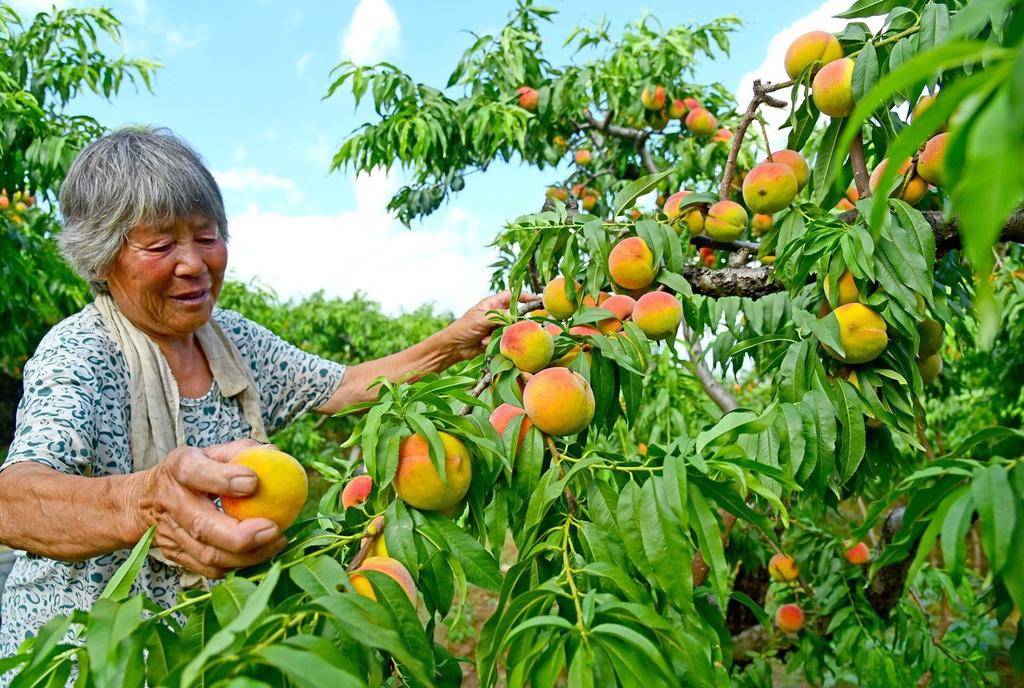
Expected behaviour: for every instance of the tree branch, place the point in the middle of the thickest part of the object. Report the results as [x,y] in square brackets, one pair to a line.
[761,92]
[860,169]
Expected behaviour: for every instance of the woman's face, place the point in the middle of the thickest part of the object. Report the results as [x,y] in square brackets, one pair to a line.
[167,280]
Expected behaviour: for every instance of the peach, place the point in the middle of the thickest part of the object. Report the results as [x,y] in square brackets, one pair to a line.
[583,157]
[556,301]
[929,163]
[850,197]
[931,335]
[559,142]
[559,401]
[653,99]
[768,260]
[723,135]
[923,103]
[789,618]
[769,187]
[795,162]
[693,218]
[528,98]
[281,488]
[505,414]
[761,223]
[726,221]
[701,122]
[832,88]
[930,367]
[814,47]
[558,192]
[621,306]
[858,554]
[589,199]
[677,109]
[862,332]
[379,548]
[848,292]
[356,491]
[782,568]
[392,568]
[913,190]
[631,263]
[707,254]
[658,314]
[590,302]
[691,104]
[418,483]
[527,345]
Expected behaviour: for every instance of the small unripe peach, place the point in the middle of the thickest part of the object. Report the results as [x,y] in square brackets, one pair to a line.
[559,401]
[931,160]
[815,46]
[694,218]
[621,306]
[789,618]
[356,491]
[913,190]
[527,345]
[848,292]
[555,300]
[653,99]
[930,367]
[701,122]
[677,108]
[782,568]
[388,566]
[832,89]
[726,221]
[761,223]
[528,98]
[858,555]
[769,187]
[505,414]
[582,157]
[658,314]
[559,142]
[862,332]
[795,162]
[847,202]
[631,263]
[931,335]
[418,483]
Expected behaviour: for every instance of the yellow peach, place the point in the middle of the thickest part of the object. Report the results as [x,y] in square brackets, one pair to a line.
[769,187]
[631,263]
[832,88]
[418,483]
[814,47]
[658,314]
[527,345]
[559,401]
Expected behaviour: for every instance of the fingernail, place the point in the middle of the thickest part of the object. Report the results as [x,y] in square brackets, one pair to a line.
[243,483]
[267,535]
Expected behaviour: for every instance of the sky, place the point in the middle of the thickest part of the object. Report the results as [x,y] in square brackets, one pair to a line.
[244,82]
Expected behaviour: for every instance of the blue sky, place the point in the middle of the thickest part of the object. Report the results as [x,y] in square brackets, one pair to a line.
[243,82]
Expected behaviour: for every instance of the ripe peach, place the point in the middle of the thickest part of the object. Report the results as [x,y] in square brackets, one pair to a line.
[858,554]
[930,367]
[389,567]
[691,104]
[418,483]
[356,491]
[528,98]
[726,221]
[848,292]
[5,202]
[862,332]
[724,135]
[782,568]
[653,99]
[929,163]
[701,122]
[281,487]
[621,306]
[505,414]
[694,218]
[931,335]
[582,157]
[847,202]
[832,88]
[527,345]
[923,103]
[761,223]
[677,109]
[631,263]
[589,199]
[559,401]
[815,46]
[379,548]
[591,302]
[658,314]
[555,300]
[707,255]
[769,187]
[558,192]
[913,190]
[789,618]
[795,162]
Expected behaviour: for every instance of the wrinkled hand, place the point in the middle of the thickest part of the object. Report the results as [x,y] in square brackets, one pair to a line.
[468,336]
[190,530]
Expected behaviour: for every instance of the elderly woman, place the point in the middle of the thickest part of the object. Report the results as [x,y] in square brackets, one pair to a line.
[134,407]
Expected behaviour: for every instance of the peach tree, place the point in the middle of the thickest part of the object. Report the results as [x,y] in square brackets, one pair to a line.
[640,521]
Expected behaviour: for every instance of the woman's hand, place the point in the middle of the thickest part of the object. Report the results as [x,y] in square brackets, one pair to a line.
[468,336]
[190,530]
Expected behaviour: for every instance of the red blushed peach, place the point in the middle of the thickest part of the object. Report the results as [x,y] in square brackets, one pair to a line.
[658,314]
[527,345]
[693,218]
[723,136]
[691,104]
[913,190]
[388,566]
[761,223]
[591,302]
[653,98]
[528,98]
[505,414]
[815,46]
[795,162]
[677,109]
[769,187]
[621,306]
[726,221]
[701,122]
[930,162]
[418,483]
[356,491]
[832,89]
[559,401]
[789,618]
[782,568]
[582,157]
[631,263]
[555,300]
[858,555]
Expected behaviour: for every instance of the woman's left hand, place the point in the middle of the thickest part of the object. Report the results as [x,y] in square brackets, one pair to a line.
[468,336]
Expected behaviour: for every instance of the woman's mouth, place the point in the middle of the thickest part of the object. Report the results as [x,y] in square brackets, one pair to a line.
[191,298]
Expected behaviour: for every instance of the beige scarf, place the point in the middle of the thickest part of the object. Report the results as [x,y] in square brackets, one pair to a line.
[156,425]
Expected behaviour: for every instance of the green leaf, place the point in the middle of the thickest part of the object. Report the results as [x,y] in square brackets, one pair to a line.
[120,584]
[320,575]
[829,160]
[625,198]
[853,441]
[306,669]
[869,8]
[480,565]
[997,512]
[229,598]
[709,536]
[865,71]
[954,531]
[423,427]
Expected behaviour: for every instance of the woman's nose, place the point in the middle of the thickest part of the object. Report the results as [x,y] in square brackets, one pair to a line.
[189,260]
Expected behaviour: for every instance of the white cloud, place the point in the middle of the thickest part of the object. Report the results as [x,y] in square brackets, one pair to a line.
[184,37]
[321,151]
[773,69]
[364,249]
[300,64]
[251,180]
[239,154]
[372,32]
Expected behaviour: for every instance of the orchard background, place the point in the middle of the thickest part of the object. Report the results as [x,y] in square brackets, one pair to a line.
[789,453]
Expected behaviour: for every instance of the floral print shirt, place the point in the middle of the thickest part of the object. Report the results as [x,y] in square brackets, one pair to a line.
[74,418]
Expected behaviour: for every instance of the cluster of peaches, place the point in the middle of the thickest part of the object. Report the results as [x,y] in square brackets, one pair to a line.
[16,205]
[782,568]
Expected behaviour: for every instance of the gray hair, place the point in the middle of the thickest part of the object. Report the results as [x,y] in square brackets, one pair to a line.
[137,175]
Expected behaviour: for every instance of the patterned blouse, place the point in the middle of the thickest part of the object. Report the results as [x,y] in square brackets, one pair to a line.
[74,417]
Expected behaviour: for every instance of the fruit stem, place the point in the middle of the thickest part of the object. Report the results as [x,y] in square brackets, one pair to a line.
[567,565]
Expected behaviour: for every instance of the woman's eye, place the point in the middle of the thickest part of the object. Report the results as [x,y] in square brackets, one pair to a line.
[207,241]
[161,248]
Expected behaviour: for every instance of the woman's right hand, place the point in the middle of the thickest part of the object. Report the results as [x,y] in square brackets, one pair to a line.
[176,496]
